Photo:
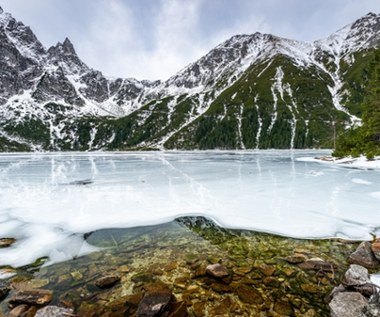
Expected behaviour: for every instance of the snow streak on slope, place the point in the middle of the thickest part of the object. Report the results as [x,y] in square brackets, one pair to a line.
[61,77]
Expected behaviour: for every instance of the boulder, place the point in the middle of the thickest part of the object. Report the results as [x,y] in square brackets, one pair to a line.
[217,270]
[356,275]
[364,256]
[357,278]
[347,304]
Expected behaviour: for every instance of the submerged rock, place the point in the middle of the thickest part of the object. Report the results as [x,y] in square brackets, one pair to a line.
[155,302]
[364,256]
[317,264]
[347,304]
[217,270]
[4,290]
[54,311]
[107,281]
[248,294]
[38,297]
[296,258]
[23,311]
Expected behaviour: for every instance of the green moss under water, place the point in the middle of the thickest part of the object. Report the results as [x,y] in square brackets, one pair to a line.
[261,281]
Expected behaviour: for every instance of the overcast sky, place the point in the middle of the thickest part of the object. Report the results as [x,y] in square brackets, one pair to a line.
[153,39]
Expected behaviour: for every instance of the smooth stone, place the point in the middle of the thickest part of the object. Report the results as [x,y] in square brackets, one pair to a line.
[38,297]
[54,311]
[217,270]
[347,304]
[107,281]
[364,256]
[154,303]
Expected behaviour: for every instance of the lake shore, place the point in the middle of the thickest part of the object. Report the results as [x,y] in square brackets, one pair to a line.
[266,275]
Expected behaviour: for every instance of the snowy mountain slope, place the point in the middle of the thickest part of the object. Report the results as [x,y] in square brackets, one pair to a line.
[252,91]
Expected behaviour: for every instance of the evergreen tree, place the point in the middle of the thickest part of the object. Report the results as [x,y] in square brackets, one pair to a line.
[366,138]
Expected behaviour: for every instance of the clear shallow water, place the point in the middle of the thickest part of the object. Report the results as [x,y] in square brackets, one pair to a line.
[44,206]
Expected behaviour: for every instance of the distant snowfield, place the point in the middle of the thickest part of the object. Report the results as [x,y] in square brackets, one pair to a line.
[47,201]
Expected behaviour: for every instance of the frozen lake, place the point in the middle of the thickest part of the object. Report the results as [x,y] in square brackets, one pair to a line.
[47,201]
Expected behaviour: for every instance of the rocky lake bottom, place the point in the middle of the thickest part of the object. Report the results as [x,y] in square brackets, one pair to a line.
[188,267]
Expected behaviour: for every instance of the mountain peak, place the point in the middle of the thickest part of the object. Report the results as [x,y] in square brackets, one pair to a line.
[68,47]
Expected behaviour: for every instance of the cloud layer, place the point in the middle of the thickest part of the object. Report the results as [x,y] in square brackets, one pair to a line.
[149,39]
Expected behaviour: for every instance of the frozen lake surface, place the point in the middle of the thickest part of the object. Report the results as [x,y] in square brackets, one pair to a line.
[47,201]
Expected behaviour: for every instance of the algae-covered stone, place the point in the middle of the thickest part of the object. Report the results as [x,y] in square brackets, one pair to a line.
[248,294]
[76,275]
[283,308]
[143,277]
[296,258]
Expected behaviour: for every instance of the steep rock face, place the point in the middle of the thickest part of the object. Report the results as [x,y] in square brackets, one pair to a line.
[252,91]
[21,55]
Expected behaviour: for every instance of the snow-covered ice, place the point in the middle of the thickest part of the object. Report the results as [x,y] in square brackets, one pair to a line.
[47,201]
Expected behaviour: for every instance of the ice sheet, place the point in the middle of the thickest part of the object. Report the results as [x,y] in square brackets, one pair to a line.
[47,201]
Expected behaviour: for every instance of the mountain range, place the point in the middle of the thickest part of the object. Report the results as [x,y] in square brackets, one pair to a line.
[255,91]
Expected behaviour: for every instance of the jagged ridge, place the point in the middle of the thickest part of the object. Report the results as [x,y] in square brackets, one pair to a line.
[252,91]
